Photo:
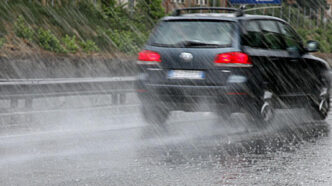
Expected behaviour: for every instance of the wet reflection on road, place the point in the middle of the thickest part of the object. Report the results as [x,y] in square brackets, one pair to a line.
[96,148]
[235,155]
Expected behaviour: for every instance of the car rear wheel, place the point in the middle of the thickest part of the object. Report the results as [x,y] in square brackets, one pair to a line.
[154,114]
[262,112]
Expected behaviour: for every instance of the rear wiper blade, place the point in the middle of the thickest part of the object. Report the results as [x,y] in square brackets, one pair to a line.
[183,44]
[195,43]
[161,45]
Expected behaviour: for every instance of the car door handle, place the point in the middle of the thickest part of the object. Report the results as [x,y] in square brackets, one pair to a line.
[294,60]
[273,58]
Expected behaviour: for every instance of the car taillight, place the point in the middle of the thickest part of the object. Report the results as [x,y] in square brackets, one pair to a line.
[233,59]
[148,57]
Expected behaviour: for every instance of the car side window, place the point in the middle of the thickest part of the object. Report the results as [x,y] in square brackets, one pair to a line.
[253,36]
[272,35]
[292,40]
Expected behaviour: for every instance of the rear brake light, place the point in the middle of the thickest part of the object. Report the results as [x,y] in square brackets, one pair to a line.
[233,59]
[148,57]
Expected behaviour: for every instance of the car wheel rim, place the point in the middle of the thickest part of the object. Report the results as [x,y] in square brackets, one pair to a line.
[267,112]
[324,105]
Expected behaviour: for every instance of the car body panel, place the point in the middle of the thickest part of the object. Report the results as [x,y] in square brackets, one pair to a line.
[279,71]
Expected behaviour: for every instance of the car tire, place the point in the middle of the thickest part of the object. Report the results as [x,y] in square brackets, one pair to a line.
[319,108]
[262,114]
[153,114]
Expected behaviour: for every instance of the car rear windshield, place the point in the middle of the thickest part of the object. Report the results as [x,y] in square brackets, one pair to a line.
[193,34]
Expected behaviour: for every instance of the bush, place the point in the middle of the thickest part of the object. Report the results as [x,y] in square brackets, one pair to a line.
[121,40]
[70,43]
[127,41]
[325,46]
[48,41]
[324,37]
[2,42]
[22,29]
[303,33]
[89,46]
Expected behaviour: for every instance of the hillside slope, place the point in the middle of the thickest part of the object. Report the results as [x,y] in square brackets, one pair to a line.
[27,27]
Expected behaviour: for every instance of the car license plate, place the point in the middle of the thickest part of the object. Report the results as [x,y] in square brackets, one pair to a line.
[186,74]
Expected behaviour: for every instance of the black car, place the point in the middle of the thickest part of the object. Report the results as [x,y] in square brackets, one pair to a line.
[229,62]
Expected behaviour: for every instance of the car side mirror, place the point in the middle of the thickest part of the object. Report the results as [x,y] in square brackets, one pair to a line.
[312,46]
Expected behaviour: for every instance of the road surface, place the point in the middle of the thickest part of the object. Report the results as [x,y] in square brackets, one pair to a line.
[107,147]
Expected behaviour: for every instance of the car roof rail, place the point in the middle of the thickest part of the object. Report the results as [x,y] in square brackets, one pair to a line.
[262,8]
[238,12]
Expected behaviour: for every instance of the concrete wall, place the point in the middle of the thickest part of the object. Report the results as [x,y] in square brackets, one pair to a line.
[65,67]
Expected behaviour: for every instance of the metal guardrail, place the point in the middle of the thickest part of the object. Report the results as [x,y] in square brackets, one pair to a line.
[28,89]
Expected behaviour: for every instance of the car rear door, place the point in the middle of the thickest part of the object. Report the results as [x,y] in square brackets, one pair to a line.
[262,42]
[299,69]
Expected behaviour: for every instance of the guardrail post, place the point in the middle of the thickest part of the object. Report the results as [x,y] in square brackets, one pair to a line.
[114,99]
[13,107]
[28,103]
[13,103]
[28,106]
[122,98]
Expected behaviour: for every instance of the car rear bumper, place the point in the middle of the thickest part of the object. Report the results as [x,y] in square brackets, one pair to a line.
[178,95]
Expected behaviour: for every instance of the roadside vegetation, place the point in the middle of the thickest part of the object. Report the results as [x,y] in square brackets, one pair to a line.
[2,41]
[107,27]
[78,26]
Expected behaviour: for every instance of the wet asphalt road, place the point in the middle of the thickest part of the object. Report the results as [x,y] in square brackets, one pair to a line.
[98,148]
